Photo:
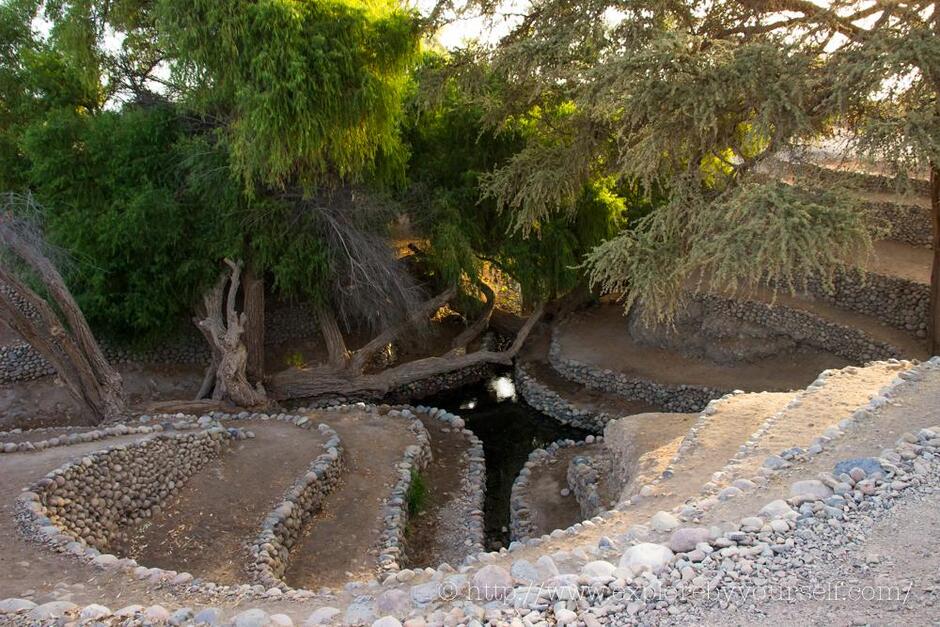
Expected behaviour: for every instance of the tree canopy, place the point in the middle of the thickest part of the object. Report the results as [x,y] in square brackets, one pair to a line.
[697,98]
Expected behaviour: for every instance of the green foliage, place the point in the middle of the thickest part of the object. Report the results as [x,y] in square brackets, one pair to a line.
[295,360]
[311,90]
[417,495]
[452,152]
[143,247]
[697,98]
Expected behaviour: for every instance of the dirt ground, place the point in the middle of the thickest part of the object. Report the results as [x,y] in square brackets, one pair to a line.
[435,534]
[600,337]
[339,544]
[205,531]
[549,509]
[901,260]
[45,402]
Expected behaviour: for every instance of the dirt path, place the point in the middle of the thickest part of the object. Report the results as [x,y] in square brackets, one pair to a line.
[206,529]
[910,410]
[436,534]
[338,545]
[901,260]
[600,337]
[841,395]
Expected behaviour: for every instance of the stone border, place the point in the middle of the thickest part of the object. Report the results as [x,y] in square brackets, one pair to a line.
[910,224]
[583,479]
[38,506]
[673,398]
[270,551]
[521,527]
[182,423]
[416,458]
[550,403]
[803,326]
[473,483]
[897,302]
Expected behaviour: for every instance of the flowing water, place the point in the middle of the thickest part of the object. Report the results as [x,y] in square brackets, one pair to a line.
[510,429]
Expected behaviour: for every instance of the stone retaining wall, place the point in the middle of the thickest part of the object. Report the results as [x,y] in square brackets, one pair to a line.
[93,500]
[904,223]
[583,476]
[804,327]
[21,362]
[897,302]
[417,456]
[521,526]
[473,484]
[281,528]
[552,404]
[673,398]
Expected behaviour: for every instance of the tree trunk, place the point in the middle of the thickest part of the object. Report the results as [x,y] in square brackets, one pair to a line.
[297,383]
[224,326]
[359,359]
[60,334]
[254,325]
[934,313]
[338,354]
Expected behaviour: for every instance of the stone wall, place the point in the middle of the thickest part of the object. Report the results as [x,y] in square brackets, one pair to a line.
[281,528]
[551,404]
[473,484]
[583,476]
[803,327]
[897,302]
[20,362]
[904,223]
[94,499]
[417,456]
[673,398]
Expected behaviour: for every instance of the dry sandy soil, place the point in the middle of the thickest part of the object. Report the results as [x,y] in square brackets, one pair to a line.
[207,528]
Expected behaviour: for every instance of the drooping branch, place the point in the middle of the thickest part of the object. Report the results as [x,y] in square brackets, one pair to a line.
[301,383]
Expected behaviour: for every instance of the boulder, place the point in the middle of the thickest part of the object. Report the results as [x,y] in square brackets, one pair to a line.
[684,540]
[646,556]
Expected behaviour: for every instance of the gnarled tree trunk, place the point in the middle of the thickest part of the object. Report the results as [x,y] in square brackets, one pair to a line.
[60,333]
[337,353]
[223,326]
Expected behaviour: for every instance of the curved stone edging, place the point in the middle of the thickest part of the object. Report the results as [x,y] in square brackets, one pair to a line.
[59,510]
[583,477]
[806,327]
[473,483]
[182,423]
[550,403]
[270,550]
[521,527]
[416,457]
[673,398]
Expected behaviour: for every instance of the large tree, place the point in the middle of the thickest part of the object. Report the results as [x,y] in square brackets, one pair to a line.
[194,150]
[35,302]
[699,97]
